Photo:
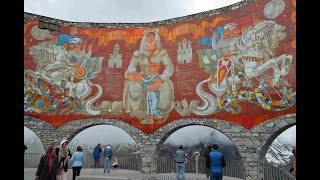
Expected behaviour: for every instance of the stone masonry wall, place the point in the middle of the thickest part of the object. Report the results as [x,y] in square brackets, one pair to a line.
[252,144]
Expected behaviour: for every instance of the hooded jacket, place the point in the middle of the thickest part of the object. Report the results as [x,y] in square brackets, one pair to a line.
[69,154]
[108,152]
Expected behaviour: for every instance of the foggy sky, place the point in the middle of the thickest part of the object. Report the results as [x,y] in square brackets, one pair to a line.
[288,136]
[191,135]
[125,11]
[103,134]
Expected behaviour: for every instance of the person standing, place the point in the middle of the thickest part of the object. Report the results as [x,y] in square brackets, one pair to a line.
[63,153]
[107,158]
[217,162]
[180,162]
[293,168]
[77,162]
[207,156]
[96,155]
[48,166]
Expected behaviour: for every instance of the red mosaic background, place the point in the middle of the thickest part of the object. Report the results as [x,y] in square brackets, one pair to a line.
[191,73]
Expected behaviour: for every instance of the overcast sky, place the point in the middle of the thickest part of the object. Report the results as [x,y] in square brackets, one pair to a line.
[192,135]
[126,11]
[104,134]
[288,136]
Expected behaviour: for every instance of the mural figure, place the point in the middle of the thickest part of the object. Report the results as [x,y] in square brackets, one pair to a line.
[67,70]
[135,94]
[153,93]
[238,61]
[225,50]
[76,54]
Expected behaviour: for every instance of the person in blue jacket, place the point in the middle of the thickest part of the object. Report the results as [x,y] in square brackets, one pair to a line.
[77,162]
[217,163]
[107,158]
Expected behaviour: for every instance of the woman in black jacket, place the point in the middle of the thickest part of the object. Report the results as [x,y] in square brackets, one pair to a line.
[63,153]
[48,166]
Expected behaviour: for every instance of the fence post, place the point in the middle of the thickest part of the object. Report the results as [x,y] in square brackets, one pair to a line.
[197,154]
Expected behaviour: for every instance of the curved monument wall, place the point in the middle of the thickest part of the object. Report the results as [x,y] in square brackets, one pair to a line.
[235,64]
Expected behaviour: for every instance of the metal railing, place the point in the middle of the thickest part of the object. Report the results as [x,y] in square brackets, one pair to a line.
[271,172]
[130,162]
[31,160]
[234,168]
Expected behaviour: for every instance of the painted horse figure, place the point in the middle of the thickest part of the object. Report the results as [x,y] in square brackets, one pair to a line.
[248,56]
[54,67]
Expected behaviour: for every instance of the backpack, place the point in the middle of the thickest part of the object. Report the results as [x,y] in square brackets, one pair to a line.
[108,151]
[96,153]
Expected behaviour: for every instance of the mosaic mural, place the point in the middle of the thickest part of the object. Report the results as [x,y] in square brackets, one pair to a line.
[237,66]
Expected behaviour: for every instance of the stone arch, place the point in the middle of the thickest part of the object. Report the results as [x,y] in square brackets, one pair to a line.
[225,127]
[260,138]
[269,130]
[71,129]
[76,127]
[50,135]
[274,134]
[42,129]
[38,138]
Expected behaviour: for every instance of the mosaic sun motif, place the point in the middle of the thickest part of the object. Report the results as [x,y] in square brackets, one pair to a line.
[274,8]
[39,34]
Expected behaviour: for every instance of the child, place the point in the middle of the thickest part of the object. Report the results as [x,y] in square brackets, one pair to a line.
[153,95]
[115,164]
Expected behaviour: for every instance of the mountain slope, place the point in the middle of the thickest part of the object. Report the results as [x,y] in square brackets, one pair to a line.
[280,154]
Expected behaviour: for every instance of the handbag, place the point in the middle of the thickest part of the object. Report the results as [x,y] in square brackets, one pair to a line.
[59,171]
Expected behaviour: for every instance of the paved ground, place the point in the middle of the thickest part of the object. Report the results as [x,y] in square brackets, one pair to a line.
[93,174]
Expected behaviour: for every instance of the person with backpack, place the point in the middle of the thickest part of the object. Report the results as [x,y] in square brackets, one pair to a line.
[96,155]
[217,162]
[107,158]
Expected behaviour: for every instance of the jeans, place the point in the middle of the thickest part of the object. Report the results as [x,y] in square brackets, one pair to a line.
[215,176]
[180,167]
[76,172]
[96,163]
[107,164]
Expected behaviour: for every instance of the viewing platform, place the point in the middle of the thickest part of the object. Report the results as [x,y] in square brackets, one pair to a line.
[122,174]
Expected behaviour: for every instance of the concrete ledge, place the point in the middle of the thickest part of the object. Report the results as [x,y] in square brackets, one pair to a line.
[99,177]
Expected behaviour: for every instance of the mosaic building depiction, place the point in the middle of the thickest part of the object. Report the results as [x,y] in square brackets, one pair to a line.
[237,66]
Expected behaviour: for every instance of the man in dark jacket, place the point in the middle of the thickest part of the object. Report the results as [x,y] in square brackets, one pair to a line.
[217,162]
[48,166]
[96,155]
[207,156]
